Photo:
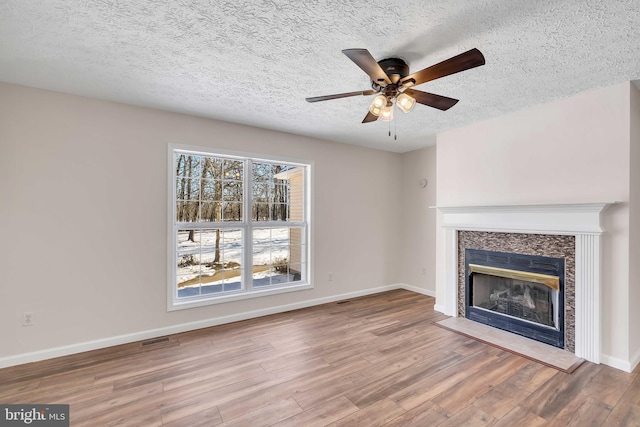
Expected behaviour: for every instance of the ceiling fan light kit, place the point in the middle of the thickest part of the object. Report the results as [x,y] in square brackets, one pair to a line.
[405,102]
[387,112]
[378,103]
[390,79]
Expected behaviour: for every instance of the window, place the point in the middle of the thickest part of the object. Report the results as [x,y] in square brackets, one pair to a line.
[239,227]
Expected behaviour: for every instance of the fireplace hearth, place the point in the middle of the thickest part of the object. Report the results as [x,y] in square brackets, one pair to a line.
[523,294]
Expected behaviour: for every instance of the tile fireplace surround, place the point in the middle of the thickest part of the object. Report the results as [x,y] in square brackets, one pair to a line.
[582,221]
[555,246]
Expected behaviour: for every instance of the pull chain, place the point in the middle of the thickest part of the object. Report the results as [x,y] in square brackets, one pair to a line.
[395,124]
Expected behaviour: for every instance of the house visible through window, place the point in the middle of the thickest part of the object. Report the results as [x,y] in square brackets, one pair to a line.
[240,227]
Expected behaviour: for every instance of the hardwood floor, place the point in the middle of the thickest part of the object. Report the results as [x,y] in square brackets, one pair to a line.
[371,361]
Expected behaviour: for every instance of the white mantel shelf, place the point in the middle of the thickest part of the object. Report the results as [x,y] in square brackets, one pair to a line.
[567,219]
[581,220]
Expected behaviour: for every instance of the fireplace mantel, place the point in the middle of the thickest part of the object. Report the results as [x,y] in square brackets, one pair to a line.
[567,219]
[580,220]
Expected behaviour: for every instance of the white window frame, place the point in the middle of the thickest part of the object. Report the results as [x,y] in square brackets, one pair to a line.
[247,225]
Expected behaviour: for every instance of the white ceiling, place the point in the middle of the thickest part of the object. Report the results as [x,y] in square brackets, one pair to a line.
[253,62]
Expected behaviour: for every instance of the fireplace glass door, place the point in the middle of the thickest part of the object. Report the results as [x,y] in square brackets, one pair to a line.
[519,293]
[521,299]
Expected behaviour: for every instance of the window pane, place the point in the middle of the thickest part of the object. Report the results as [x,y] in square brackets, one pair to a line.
[278,192]
[210,288]
[231,211]
[211,211]
[187,188]
[261,257]
[261,246]
[202,182]
[279,255]
[232,280]
[280,212]
[233,169]
[233,241]
[297,249]
[188,263]
[262,172]
[188,241]
[212,168]
[209,261]
[186,211]
[232,191]
[274,250]
[260,212]
[188,288]
[211,189]
[188,165]
[295,272]
[296,201]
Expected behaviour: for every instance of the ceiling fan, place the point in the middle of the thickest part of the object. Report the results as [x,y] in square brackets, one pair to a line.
[390,79]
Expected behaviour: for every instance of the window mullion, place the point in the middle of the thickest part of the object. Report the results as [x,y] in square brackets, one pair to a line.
[248,244]
[276,224]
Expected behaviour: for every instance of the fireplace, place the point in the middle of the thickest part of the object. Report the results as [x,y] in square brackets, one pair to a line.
[579,223]
[520,293]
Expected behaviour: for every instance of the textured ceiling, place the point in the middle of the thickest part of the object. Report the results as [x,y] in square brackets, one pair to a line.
[254,62]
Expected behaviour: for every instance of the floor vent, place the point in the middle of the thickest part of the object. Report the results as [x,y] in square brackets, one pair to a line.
[154,341]
[343,302]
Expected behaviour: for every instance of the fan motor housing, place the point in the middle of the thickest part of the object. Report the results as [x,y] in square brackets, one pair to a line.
[395,66]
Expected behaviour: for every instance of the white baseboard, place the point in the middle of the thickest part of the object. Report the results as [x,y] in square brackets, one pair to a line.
[439,308]
[36,356]
[635,360]
[417,290]
[614,362]
[627,366]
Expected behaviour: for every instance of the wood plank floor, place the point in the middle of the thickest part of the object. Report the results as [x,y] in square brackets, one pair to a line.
[540,352]
[370,361]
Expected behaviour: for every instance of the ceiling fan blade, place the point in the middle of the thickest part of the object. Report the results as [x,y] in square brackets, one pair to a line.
[370,118]
[431,99]
[465,61]
[340,95]
[364,60]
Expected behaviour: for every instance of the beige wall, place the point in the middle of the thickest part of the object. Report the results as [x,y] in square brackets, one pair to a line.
[569,151]
[418,221]
[83,202]
[634,235]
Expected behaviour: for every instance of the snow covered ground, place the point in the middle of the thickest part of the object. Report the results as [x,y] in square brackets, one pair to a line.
[196,258]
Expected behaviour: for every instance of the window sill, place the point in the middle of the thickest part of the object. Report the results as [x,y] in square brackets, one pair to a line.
[220,299]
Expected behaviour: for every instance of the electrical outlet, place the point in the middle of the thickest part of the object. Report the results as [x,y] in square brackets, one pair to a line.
[330,277]
[27,318]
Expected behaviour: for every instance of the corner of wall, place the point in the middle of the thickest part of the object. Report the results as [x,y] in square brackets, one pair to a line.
[418,220]
[634,222]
